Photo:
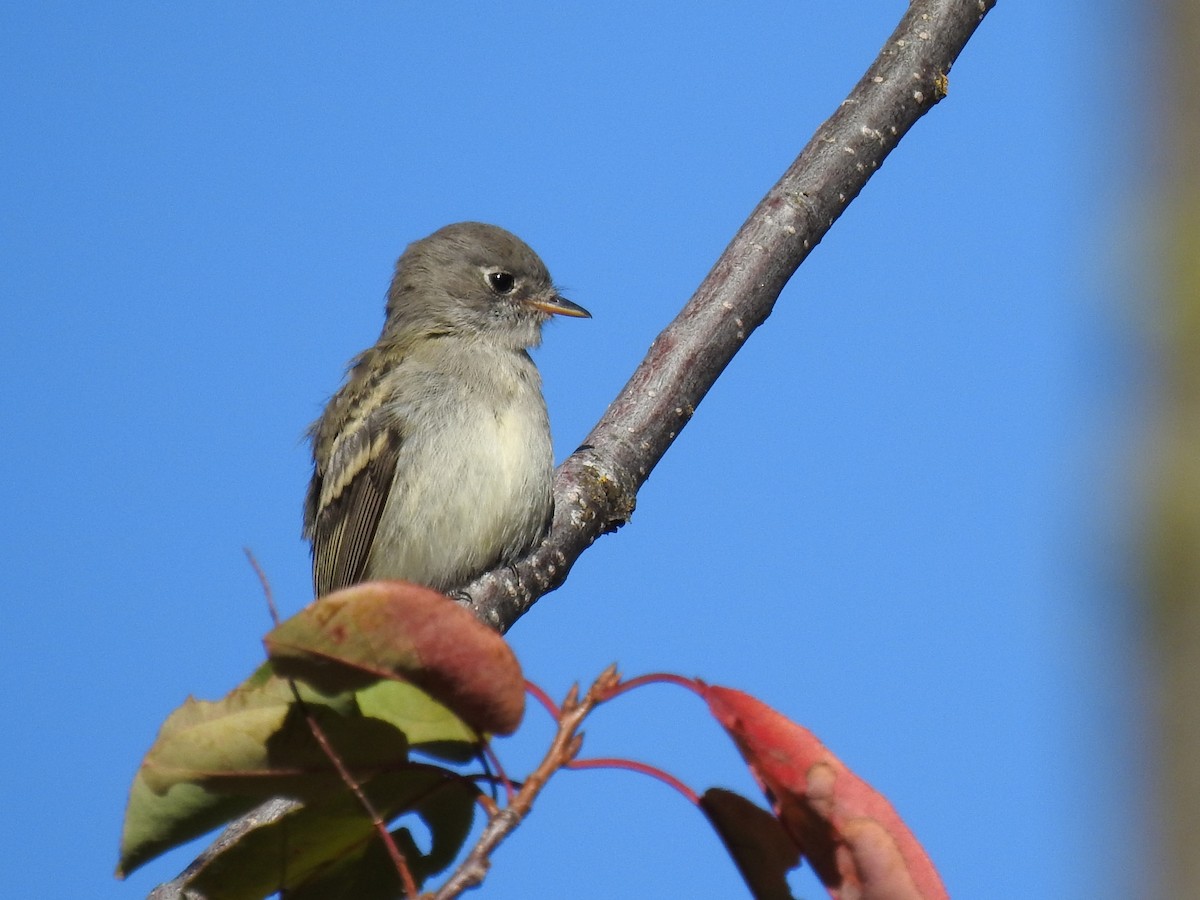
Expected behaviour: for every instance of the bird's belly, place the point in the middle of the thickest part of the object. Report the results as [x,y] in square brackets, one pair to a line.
[471,496]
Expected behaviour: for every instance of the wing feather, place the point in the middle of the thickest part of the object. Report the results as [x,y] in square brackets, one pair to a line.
[346,501]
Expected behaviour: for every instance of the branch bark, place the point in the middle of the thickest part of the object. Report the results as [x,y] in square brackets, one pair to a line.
[596,487]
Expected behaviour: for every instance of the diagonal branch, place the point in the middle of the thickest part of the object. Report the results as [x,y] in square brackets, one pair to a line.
[597,485]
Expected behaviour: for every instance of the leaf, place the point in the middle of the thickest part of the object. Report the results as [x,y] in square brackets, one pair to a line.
[397,630]
[429,726]
[756,840]
[854,839]
[213,761]
[328,848]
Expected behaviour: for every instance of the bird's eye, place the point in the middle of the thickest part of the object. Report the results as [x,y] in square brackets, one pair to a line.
[501,282]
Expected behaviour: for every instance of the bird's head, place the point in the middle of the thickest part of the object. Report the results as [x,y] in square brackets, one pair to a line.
[475,280]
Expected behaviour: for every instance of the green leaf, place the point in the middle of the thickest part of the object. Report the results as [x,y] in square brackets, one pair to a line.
[430,727]
[213,761]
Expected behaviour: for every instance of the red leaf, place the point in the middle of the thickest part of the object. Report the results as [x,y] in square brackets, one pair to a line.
[850,834]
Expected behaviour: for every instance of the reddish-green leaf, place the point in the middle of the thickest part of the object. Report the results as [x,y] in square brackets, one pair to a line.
[394,629]
[850,834]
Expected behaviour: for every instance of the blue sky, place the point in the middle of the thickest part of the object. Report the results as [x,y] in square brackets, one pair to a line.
[901,516]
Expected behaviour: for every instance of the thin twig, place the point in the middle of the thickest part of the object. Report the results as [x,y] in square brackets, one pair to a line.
[492,760]
[377,821]
[543,698]
[563,749]
[266,585]
[318,733]
[624,687]
[632,765]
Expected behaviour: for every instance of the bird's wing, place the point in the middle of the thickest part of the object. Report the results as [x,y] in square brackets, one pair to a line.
[345,502]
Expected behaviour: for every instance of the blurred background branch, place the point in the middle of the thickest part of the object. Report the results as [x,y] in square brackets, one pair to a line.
[1172,550]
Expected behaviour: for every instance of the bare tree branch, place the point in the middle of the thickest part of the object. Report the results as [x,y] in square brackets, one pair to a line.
[596,487]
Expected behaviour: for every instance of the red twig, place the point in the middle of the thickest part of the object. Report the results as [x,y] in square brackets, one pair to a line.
[634,766]
[690,684]
[502,776]
[543,698]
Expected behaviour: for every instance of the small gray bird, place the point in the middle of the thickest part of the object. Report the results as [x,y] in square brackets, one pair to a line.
[433,463]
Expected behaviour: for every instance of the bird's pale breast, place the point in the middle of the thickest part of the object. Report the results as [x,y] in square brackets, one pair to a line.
[472,486]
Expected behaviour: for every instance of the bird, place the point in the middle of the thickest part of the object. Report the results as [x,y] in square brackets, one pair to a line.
[433,462]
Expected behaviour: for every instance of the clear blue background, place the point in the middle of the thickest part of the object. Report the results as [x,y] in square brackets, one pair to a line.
[901,517]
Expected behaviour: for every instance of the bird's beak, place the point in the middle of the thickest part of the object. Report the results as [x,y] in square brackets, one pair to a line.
[558,306]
